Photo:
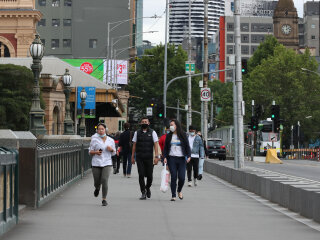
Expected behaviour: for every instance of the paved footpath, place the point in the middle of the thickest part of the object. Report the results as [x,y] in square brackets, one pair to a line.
[210,211]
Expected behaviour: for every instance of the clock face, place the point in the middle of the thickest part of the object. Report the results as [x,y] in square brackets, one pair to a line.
[286,29]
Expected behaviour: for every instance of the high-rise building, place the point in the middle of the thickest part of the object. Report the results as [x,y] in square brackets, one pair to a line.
[179,19]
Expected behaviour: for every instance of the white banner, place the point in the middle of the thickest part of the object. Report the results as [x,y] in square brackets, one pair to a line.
[117,72]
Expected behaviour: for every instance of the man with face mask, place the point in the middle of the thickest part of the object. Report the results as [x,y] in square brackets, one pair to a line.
[144,141]
[197,151]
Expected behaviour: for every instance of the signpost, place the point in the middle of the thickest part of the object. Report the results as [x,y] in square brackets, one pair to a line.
[190,67]
[205,94]
[149,111]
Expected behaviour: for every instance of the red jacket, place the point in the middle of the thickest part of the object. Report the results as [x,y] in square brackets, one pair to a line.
[162,141]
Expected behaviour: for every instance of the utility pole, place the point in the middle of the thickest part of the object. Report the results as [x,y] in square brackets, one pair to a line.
[235,123]
[205,69]
[240,105]
[211,112]
[252,132]
[189,113]
[165,63]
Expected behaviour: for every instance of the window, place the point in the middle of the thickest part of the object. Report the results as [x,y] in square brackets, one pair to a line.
[230,49]
[55,22]
[66,22]
[230,27]
[120,125]
[230,38]
[66,43]
[93,43]
[68,3]
[244,27]
[244,38]
[313,26]
[54,43]
[253,49]
[42,22]
[42,2]
[245,50]
[55,3]
[313,37]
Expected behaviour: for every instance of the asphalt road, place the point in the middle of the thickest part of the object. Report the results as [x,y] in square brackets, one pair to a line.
[212,210]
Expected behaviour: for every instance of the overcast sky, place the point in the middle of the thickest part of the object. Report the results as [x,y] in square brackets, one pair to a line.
[151,7]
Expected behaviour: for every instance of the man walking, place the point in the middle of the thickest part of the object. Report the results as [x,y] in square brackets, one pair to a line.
[125,148]
[197,151]
[144,141]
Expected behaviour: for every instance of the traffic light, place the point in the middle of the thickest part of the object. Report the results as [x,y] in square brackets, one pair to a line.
[275,116]
[258,110]
[254,123]
[152,102]
[160,110]
[244,68]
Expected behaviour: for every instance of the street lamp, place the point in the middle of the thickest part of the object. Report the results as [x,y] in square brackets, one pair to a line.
[307,70]
[68,122]
[82,128]
[36,125]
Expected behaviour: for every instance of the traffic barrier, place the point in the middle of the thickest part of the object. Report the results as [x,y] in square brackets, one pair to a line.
[304,154]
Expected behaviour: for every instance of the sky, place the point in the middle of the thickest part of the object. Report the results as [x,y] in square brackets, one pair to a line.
[152,7]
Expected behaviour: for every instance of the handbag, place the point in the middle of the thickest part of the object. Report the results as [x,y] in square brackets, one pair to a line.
[164,186]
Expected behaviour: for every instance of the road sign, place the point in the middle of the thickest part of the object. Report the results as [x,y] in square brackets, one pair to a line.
[190,67]
[149,111]
[205,94]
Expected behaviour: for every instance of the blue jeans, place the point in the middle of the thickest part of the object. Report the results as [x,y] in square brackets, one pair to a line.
[126,161]
[177,167]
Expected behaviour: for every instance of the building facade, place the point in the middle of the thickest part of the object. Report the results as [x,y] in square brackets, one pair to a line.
[78,29]
[18,21]
[257,8]
[253,32]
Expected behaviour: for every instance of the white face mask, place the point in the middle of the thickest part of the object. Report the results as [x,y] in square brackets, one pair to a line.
[192,133]
[172,128]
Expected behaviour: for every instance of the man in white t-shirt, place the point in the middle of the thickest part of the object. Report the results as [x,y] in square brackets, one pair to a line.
[145,141]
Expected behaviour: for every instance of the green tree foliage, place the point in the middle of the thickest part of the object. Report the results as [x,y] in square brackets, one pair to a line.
[16,83]
[277,75]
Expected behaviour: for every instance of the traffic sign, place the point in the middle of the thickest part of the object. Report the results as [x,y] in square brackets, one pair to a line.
[190,67]
[149,111]
[205,94]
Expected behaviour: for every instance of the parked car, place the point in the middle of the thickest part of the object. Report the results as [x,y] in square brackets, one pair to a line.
[216,149]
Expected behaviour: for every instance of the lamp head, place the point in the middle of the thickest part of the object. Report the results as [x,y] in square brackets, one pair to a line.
[67,78]
[36,48]
[83,94]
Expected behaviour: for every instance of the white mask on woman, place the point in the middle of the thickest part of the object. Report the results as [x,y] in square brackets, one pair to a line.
[172,128]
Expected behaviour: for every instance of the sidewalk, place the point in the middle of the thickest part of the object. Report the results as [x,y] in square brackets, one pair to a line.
[209,211]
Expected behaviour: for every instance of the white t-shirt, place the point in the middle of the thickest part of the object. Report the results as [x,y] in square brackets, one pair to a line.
[154,136]
[105,158]
[175,150]
[191,141]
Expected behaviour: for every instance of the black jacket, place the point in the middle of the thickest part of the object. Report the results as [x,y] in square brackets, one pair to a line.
[184,146]
[126,141]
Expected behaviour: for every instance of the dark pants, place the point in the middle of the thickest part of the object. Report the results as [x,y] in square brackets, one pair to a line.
[116,163]
[126,163]
[194,163]
[177,167]
[145,169]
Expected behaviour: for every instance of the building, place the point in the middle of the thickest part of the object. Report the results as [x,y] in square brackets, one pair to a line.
[253,32]
[79,29]
[179,19]
[250,8]
[18,21]
[286,24]
[310,27]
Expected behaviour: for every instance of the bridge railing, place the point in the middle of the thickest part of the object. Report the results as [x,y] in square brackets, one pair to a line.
[9,189]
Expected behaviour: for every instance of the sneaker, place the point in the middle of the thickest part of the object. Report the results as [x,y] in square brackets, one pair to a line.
[124,175]
[195,182]
[104,203]
[143,196]
[189,184]
[128,176]
[114,171]
[173,199]
[148,193]
[200,177]
[96,192]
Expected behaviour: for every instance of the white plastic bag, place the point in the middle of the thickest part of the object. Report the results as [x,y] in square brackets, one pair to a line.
[164,179]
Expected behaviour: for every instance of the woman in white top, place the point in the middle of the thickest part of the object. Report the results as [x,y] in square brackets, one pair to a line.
[101,148]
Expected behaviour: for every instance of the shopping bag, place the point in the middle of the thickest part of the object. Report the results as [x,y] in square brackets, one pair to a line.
[164,179]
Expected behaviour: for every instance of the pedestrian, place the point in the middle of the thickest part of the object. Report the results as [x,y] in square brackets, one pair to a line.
[102,148]
[116,158]
[177,154]
[197,151]
[201,160]
[145,140]
[162,141]
[125,148]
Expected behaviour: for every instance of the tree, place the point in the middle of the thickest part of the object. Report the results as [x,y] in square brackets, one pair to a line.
[16,84]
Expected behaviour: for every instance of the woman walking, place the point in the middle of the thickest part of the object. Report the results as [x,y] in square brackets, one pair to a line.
[177,154]
[102,148]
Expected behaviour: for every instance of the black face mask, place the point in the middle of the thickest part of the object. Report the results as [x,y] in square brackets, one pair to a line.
[144,126]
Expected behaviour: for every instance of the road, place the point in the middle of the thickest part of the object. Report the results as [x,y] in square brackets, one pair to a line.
[213,210]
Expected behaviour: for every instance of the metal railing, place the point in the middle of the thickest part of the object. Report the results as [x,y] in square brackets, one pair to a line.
[302,153]
[58,165]
[9,189]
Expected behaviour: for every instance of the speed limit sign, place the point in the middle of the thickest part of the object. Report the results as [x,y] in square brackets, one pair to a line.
[205,94]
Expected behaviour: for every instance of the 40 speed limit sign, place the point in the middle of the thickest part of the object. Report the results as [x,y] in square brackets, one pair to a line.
[205,94]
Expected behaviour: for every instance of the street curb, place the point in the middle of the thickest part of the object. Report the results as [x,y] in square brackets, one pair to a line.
[297,194]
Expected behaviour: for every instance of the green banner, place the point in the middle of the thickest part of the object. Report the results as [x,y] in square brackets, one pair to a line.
[94,67]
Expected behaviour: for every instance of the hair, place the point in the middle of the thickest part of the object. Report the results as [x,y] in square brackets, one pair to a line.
[144,117]
[191,128]
[102,124]
[180,133]
[126,125]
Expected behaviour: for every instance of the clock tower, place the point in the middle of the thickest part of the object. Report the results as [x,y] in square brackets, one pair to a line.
[285,24]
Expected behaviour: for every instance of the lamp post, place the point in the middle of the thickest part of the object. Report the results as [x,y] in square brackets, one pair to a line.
[68,122]
[36,115]
[82,128]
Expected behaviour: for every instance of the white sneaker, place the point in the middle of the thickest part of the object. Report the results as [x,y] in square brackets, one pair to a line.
[190,184]
[195,182]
